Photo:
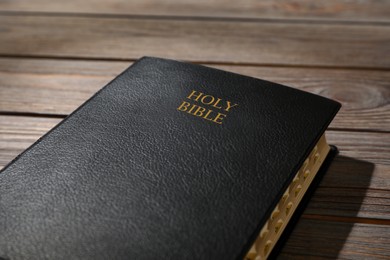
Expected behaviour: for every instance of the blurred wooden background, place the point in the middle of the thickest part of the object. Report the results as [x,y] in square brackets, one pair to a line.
[56,54]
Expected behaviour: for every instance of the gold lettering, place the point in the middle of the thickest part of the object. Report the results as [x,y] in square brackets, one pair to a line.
[219,117]
[216,103]
[194,93]
[192,108]
[199,111]
[207,114]
[229,106]
[207,103]
[184,106]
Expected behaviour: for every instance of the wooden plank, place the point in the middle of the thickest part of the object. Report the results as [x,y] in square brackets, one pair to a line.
[373,148]
[353,187]
[18,133]
[313,239]
[55,87]
[302,44]
[60,86]
[282,9]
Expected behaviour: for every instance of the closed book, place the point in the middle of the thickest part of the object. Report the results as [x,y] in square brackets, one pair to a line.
[168,161]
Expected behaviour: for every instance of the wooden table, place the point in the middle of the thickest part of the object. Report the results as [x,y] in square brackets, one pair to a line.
[56,54]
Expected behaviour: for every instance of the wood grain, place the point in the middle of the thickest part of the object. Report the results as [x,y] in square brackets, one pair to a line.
[314,239]
[282,9]
[61,52]
[60,86]
[363,46]
[372,147]
[352,144]
[353,186]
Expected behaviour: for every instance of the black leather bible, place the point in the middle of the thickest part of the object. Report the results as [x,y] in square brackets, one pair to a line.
[168,161]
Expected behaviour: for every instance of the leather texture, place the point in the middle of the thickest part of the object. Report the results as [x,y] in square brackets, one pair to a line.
[129,176]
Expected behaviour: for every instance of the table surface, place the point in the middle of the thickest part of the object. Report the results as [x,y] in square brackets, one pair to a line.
[56,54]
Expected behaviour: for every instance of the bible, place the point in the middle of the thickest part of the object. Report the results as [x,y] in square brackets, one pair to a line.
[170,160]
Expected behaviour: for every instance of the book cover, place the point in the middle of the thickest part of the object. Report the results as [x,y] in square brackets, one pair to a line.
[168,161]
